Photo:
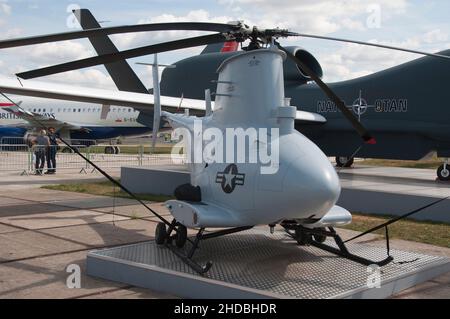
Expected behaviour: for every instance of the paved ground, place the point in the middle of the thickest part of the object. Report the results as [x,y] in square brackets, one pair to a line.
[43,231]
[407,181]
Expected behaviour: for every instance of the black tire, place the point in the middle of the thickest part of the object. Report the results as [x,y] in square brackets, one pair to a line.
[181,237]
[116,150]
[161,234]
[110,150]
[320,238]
[344,162]
[302,238]
[443,173]
[67,150]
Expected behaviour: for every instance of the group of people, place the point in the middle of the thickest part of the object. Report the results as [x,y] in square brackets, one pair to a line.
[46,147]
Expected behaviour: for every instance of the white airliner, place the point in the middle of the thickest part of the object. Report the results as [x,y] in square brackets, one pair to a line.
[73,120]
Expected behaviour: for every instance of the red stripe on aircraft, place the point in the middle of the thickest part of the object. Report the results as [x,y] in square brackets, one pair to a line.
[6,104]
[230,46]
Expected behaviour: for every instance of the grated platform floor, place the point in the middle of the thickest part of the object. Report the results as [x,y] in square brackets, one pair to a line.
[273,266]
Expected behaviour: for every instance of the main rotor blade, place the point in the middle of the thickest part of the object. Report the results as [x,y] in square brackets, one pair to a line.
[333,97]
[373,45]
[123,55]
[182,26]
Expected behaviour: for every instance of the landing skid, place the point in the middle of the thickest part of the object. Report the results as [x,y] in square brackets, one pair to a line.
[303,235]
[309,237]
[187,258]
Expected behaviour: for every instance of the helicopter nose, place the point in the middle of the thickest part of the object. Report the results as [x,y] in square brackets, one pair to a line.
[314,184]
[326,186]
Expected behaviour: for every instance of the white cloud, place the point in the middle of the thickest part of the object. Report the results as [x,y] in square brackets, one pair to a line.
[314,16]
[5,8]
[435,36]
[92,78]
[57,52]
[307,16]
[11,33]
[351,60]
[38,56]
[147,38]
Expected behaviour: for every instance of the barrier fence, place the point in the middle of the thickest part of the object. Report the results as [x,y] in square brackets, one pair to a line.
[22,158]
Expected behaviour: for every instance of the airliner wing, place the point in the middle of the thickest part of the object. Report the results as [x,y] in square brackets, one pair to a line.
[137,101]
[34,118]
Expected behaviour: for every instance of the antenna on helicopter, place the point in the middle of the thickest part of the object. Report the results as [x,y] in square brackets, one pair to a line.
[157,95]
[208,102]
[157,105]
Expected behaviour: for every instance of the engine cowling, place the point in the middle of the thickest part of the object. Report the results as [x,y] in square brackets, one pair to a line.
[293,73]
[193,75]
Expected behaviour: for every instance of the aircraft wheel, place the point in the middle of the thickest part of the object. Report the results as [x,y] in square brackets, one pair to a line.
[302,238]
[116,150]
[160,234]
[320,238]
[66,150]
[110,150]
[443,173]
[181,237]
[342,161]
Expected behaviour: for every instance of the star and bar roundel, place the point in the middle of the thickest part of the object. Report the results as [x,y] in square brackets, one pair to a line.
[230,178]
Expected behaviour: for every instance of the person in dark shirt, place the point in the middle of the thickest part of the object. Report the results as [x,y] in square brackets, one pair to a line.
[51,151]
[41,144]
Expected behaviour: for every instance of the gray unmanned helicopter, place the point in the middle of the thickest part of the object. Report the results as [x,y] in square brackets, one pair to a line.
[298,190]
[404,107]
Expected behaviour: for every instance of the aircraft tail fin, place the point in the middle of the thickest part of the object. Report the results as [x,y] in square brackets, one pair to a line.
[122,74]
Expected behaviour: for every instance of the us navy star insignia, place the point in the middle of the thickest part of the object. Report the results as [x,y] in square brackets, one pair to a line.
[230,178]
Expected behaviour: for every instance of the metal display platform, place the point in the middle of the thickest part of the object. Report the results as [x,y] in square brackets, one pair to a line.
[256,264]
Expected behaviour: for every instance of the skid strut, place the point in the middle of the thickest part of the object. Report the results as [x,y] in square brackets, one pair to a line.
[187,255]
[307,238]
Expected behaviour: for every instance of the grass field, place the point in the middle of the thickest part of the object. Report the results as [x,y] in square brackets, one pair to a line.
[137,149]
[432,164]
[103,189]
[437,234]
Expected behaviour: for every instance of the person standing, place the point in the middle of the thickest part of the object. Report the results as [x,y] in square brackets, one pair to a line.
[52,150]
[41,145]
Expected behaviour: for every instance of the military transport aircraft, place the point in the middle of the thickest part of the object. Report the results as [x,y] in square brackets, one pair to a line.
[300,188]
[404,107]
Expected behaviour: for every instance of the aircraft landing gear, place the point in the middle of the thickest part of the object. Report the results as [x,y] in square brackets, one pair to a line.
[346,162]
[66,150]
[443,172]
[161,234]
[317,237]
[181,236]
[112,150]
[165,236]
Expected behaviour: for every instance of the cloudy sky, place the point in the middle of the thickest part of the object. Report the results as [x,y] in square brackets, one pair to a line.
[421,25]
